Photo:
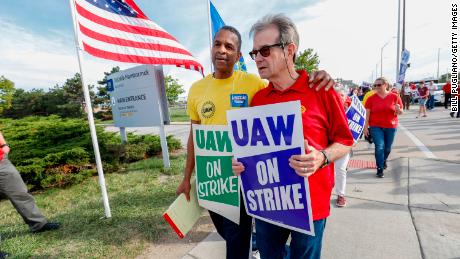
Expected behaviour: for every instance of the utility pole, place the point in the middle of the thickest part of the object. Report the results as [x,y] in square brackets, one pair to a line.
[404,26]
[437,76]
[376,70]
[381,56]
[398,50]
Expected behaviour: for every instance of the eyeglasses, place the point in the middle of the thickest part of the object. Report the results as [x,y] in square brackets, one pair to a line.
[377,85]
[264,51]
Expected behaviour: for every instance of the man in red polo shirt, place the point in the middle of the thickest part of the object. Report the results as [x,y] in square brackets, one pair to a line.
[447,94]
[326,132]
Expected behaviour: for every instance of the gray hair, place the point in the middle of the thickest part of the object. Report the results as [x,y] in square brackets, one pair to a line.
[286,27]
[340,89]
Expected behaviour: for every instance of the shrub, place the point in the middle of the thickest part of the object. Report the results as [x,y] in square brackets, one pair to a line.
[51,151]
[103,115]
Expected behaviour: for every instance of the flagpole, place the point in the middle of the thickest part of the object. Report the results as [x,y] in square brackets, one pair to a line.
[210,34]
[89,108]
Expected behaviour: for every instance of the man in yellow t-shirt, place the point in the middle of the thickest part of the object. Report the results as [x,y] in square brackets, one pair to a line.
[207,103]
[210,98]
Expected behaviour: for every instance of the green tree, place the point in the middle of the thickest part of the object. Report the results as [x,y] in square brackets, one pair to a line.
[66,101]
[173,89]
[444,78]
[102,97]
[307,60]
[6,93]
[73,92]
[26,103]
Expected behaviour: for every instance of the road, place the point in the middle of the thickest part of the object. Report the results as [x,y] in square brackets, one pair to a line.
[438,132]
[178,129]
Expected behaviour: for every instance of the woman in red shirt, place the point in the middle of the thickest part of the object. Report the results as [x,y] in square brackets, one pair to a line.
[382,110]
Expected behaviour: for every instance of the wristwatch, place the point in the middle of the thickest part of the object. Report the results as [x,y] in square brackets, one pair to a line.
[326,159]
[4,145]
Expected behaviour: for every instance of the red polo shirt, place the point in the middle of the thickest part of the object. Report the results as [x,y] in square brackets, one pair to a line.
[323,122]
[382,110]
[447,88]
[423,92]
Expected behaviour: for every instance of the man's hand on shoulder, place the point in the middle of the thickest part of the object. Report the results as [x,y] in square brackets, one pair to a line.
[321,79]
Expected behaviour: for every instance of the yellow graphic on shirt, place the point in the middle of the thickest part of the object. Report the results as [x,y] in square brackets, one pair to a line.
[208,109]
[303,109]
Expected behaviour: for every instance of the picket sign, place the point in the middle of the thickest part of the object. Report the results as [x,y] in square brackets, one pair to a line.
[356,115]
[263,139]
[217,188]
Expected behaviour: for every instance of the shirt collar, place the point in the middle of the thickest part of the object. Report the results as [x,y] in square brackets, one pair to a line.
[300,85]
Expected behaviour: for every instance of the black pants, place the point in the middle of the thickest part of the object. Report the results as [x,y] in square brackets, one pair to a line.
[406,101]
[447,97]
[237,237]
[452,114]
[12,185]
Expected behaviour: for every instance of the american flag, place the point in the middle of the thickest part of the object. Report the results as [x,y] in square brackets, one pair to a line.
[118,30]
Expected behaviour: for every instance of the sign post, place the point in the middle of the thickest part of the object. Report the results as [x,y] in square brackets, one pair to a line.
[136,101]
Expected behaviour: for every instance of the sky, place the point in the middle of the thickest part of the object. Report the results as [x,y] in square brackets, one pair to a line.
[37,46]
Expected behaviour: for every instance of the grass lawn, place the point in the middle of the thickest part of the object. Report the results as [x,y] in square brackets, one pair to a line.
[137,198]
[178,114]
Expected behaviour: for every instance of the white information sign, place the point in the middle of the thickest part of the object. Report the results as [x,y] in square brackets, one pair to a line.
[135,97]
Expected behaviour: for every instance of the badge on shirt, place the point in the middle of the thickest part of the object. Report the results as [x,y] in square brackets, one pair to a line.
[239,100]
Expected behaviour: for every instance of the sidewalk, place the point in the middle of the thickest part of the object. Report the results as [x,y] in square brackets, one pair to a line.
[414,212]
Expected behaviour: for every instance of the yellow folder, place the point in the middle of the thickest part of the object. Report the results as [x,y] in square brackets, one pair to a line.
[182,214]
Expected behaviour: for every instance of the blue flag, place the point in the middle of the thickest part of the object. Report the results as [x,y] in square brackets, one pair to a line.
[216,24]
[403,66]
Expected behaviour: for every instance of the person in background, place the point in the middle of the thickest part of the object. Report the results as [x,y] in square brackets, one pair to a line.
[394,89]
[340,165]
[355,92]
[361,93]
[447,94]
[413,88]
[406,94]
[368,93]
[14,188]
[368,137]
[382,110]
[431,89]
[423,97]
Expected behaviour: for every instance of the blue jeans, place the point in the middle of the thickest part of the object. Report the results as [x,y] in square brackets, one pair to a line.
[271,240]
[237,237]
[383,140]
[430,104]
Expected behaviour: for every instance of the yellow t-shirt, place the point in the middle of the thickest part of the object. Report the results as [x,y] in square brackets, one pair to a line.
[367,95]
[210,98]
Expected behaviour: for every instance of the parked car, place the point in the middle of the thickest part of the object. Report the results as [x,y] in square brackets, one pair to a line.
[415,95]
[439,94]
